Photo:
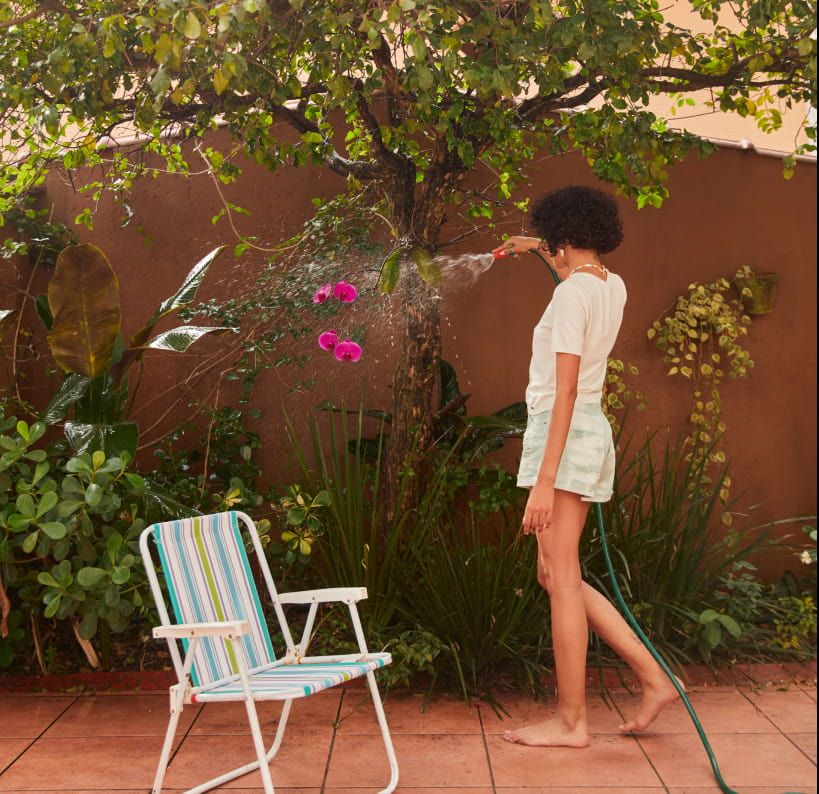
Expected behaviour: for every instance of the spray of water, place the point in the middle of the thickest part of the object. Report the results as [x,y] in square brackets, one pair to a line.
[463,269]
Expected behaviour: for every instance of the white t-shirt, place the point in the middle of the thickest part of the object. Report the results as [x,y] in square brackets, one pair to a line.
[583,318]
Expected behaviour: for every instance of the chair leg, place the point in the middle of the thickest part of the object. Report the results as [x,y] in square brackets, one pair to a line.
[258,744]
[177,704]
[277,741]
[385,733]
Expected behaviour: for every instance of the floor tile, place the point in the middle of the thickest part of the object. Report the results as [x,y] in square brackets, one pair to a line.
[120,715]
[408,714]
[745,790]
[9,750]
[614,761]
[583,790]
[300,762]
[810,692]
[412,790]
[522,710]
[719,712]
[791,711]
[425,761]
[56,765]
[806,742]
[28,717]
[745,760]
[307,715]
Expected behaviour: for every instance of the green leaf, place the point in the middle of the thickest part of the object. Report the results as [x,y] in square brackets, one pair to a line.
[322,499]
[88,624]
[72,389]
[45,578]
[120,574]
[221,81]
[713,634]
[43,312]
[88,577]
[734,629]
[178,340]
[47,502]
[52,607]
[83,295]
[113,544]
[184,296]
[427,269]
[193,28]
[390,270]
[30,542]
[93,495]
[25,505]
[54,529]
[113,440]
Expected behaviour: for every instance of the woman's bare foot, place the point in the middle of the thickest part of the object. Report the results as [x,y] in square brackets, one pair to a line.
[555,732]
[657,694]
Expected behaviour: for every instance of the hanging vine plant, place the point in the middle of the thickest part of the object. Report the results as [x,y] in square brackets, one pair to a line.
[700,337]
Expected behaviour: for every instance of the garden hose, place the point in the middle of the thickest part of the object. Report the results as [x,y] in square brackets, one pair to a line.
[621,602]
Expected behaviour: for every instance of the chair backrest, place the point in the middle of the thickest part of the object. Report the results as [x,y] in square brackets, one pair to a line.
[209,579]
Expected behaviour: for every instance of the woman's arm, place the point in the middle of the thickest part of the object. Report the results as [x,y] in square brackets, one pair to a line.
[538,514]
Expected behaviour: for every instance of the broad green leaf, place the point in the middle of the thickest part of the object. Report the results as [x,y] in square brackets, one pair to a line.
[113,544]
[47,502]
[88,625]
[73,388]
[88,577]
[25,506]
[427,269]
[54,529]
[322,499]
[43,311]
[93,495]
[120,574]
[45,578]
[734,629]
[193,28]
[182,297]
[83,296]
[390,270]
[30,542]
[220,81]
[52,607]
[113,440]
[180,339]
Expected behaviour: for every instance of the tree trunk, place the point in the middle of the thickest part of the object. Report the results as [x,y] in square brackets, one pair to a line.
[413,390]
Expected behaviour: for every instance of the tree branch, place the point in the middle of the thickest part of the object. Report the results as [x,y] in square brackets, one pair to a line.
[46,5]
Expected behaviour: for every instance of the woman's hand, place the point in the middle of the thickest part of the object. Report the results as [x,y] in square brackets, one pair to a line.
[538,513]
[515,245]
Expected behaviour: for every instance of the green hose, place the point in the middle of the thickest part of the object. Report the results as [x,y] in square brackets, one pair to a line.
[621,602]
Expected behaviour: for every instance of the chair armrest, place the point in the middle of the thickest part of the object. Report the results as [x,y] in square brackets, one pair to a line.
[229,628]
[347,595]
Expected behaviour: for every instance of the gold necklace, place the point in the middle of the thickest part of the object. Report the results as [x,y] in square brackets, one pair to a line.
[602,269]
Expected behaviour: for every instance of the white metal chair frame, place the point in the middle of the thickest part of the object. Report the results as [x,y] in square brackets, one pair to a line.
[183,692]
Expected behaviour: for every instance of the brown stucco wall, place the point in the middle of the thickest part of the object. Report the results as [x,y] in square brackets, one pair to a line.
[732,209]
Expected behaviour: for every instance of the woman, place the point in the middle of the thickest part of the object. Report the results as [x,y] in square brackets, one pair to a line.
[568,452]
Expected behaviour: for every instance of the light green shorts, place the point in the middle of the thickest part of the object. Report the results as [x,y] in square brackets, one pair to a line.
[587,465]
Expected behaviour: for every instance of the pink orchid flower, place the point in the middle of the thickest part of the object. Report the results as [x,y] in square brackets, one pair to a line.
[348,351]
[328,340]
[345,292]
[322,293]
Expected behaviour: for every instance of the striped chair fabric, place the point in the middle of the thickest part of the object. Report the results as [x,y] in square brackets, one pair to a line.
[294,681]
[209,579]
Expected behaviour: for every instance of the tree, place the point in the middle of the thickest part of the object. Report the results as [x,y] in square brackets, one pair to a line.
[403,98]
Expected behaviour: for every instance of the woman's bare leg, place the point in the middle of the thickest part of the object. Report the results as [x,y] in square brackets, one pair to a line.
[612,628]
[559,558]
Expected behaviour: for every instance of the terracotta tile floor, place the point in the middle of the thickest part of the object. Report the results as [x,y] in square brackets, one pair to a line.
[764,737]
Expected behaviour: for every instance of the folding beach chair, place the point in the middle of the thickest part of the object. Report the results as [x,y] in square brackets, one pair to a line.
[227,654]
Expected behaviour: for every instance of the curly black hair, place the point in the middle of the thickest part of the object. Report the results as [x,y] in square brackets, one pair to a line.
[578,216]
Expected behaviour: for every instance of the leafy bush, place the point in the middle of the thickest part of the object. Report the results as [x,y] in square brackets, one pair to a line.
[69,527]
